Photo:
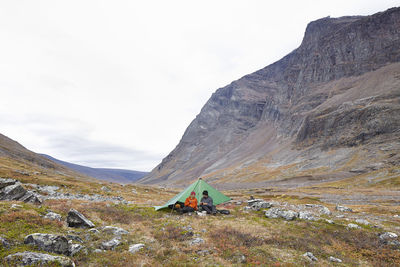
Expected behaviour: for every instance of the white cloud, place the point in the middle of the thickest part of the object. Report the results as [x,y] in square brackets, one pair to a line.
[131,75]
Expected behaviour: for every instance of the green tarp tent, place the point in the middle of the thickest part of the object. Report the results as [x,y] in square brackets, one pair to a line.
[198,187]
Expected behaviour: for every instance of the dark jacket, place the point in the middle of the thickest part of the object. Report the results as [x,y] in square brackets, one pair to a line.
[208,201]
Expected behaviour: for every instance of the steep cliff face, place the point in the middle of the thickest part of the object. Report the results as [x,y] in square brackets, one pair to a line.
[339,89]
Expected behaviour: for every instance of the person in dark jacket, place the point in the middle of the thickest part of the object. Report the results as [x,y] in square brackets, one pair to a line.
[206,203]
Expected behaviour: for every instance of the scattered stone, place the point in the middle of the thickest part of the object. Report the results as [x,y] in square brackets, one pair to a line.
[238,203]
[134,191]
[48,242]
[15,206]
[111,245]
[196,241]
[387,235]
[4,243]
[362,221]
[278,213]
[115,230]
[324,210]
[76,219]
[74,248]
[333,259]
[31,197]
[329,221]
[310,256]
[340,216]
[353,226]
[94,231]
[201,213]
[41,259]
[97,250]
[53,216]
[239,258]
[304,215]
[203,252]
[258,204]
[106,189]
[75,238]
[135,248]
[343,208]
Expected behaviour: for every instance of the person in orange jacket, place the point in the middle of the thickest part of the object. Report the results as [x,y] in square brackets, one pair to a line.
[190,203]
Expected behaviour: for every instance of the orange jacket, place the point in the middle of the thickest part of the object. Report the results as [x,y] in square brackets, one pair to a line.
[191,203]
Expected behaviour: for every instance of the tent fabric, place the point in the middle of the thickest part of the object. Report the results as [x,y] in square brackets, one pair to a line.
[198,187]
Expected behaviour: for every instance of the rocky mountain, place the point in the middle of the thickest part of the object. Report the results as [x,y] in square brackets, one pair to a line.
[111,175]
[329,110]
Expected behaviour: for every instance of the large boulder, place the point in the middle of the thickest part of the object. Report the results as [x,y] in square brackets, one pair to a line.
[48,242]
[40,259]
[12,192]
[76,219]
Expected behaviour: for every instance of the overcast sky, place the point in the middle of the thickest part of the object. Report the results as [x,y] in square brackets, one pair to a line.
[116,83]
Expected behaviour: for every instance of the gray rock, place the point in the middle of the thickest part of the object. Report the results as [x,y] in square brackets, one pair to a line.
[4,243]
[97,250]
[134,191]
[6,182]
[343,208]
[41,259]
[333,259]
[196,241]
[12,192]
[304,215]
[94,231]
[135,248]
[310,256]
[53,216]
[111,245]
[31,197]
[353,226]
[329,221]
[48,242]
[388,235]
[324,210]
[106,189]
[74,248]
[362,221]
[115,230]
[75,238]
[15,207]
[76,219]
[203,252]
[279,213]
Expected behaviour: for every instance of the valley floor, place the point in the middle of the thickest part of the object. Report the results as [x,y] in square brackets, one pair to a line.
[245,237]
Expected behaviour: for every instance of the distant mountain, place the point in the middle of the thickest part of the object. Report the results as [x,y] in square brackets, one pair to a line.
[111,175]
[328,110]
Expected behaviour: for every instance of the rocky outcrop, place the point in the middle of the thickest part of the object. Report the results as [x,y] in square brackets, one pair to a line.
[32,258]
[338,89]
[77,219]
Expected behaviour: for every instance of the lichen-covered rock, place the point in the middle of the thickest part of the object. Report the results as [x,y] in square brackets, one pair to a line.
[388,235]
[48,242]
[343,208]
[115,230]
[53,216]
[31,197]
[12,192]
[76,219]
[111,245]
[74,248]
[4,243]
[353,226]
[6,182]
[304,215]
[279,213]
[34,258]
[310,256]
[362,221]
[135,248]
[333,259]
